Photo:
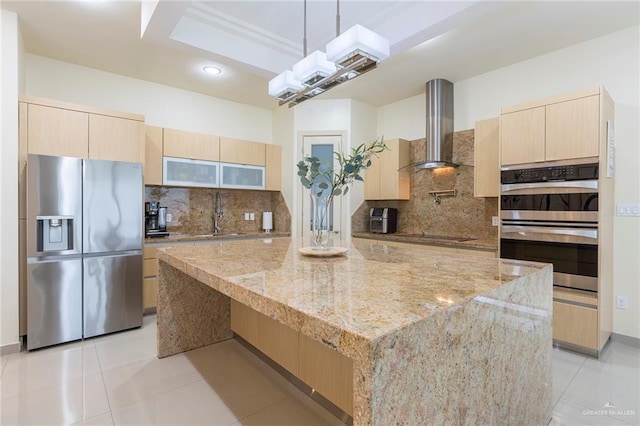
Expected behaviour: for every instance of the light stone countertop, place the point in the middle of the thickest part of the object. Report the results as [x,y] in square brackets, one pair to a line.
[366,294]
[433,337]
[463,243]
[177,237]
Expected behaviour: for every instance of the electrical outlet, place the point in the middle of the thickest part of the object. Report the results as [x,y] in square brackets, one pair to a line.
[252,216]
[622,302]
[169,217]
[495,221]
[246,216]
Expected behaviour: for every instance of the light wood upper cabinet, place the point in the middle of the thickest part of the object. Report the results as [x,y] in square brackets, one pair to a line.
[371,178]
[564,127]
[572,129]
[486,173]
[522,136]
[389,178]
[196,146]
[153,155]
[239,151]
[273,167]
[115,139]
[57,131]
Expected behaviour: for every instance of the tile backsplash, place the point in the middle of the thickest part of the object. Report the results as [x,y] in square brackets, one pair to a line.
[192,209]
[461,216]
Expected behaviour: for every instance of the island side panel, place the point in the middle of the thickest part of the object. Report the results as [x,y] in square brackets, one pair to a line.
[190,314]
[485,362]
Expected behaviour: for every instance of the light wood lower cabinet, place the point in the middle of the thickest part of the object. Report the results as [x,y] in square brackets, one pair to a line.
[149,294]
[150,278]
[245,322]
[322,368]
[279,342]
[328,372]
[575,319]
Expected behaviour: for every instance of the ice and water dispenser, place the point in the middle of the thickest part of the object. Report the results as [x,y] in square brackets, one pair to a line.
[54,233]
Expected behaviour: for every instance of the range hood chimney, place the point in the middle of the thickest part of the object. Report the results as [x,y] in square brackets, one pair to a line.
[439,125]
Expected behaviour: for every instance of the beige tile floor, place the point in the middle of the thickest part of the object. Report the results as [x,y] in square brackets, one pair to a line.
[117,379]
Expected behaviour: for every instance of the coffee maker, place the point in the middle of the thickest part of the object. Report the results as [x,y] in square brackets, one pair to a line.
[155,224]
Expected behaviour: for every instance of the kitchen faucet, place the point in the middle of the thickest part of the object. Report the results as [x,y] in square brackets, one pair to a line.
[217,214]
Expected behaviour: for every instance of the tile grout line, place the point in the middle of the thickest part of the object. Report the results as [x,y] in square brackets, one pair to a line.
[104,385]
[570,381]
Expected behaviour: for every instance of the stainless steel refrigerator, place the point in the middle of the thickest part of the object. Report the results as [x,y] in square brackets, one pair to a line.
[84,248]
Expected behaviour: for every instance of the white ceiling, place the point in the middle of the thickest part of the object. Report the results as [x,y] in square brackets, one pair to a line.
[252,41]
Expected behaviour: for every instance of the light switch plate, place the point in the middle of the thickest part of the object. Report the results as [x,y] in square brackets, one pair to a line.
[495,221]
[246,216]
[627,209]
[169,217]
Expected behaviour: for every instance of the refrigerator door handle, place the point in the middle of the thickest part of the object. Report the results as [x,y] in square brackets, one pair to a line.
[52,259]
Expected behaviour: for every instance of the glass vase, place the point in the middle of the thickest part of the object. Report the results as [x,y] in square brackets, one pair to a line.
[320,220]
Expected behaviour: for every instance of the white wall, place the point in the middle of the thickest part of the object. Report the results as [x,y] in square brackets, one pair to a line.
[284,135]
[356,119]
[405,119]
[317,115]
[12,52]
[612,61]
[161,105]
[363,130]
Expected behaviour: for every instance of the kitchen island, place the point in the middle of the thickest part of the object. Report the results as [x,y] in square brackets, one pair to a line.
[433,338]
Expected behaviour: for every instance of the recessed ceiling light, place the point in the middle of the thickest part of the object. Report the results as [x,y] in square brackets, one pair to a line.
[211,70]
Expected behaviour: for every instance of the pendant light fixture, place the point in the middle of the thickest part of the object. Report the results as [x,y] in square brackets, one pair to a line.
[353,53]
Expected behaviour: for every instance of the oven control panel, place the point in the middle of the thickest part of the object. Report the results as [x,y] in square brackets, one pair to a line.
[550,174]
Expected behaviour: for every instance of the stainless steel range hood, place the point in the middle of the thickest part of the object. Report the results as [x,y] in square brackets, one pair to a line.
[439,135]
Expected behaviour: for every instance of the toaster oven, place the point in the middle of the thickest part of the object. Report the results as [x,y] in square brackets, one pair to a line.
[383,220]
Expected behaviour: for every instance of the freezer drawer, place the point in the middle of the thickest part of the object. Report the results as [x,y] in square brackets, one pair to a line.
[54,294]
[112,293]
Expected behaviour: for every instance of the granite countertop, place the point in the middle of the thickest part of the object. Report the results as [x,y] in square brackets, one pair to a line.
[445,241]
[370,292]
[176,237]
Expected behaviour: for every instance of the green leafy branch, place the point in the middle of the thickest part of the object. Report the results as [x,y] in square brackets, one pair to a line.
[318,177]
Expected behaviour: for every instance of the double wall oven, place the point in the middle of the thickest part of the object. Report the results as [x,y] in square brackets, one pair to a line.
[550,214]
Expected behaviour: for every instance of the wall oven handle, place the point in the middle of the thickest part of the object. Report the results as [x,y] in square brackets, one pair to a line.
[537,233]
[548,187]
